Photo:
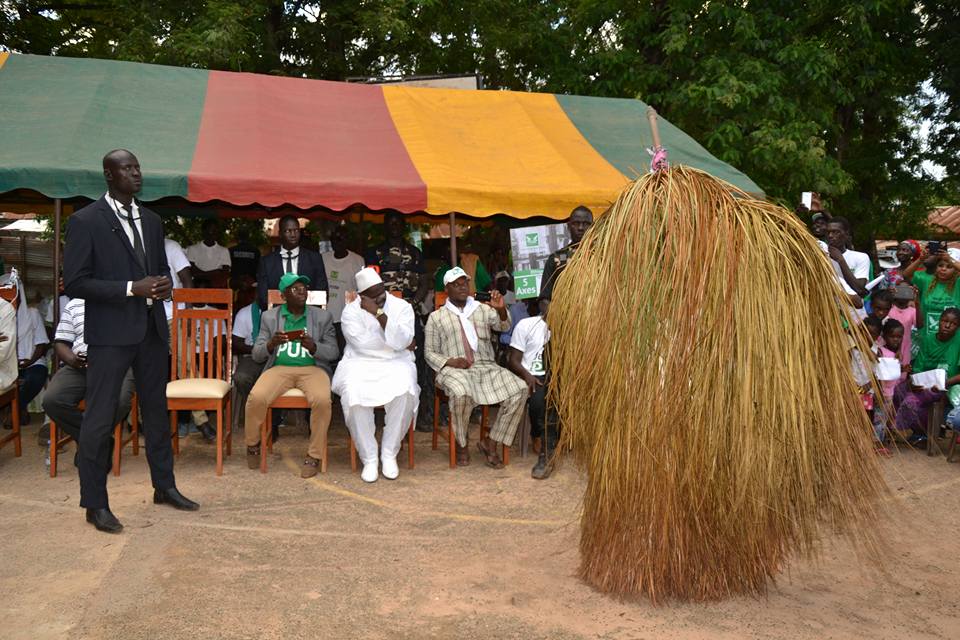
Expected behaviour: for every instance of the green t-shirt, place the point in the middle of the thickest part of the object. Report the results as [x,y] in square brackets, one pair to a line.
[293,353]
[938,355]
[934,301]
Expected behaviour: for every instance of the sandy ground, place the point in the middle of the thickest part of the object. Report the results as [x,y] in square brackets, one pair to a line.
[471,553]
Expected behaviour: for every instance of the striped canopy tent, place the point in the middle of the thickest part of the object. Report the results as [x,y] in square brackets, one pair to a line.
[249,139]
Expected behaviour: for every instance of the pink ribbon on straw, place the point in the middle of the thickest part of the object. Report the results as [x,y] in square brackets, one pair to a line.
[659,159]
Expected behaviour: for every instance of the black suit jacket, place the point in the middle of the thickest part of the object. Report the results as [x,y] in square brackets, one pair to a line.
[271,269]
[98,262]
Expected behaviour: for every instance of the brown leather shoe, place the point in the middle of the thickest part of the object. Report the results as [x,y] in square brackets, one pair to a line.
[253,457]
[310,467]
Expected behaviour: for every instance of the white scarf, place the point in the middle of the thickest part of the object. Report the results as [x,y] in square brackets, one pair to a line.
[464,315]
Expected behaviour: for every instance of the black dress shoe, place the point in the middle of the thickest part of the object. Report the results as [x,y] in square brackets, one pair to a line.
[174,498]
[104,520]
[209,433]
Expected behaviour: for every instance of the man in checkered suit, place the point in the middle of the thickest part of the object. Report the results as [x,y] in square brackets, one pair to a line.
[459,347]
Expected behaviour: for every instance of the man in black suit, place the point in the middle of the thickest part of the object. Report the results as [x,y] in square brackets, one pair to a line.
[115,260]
[291,258]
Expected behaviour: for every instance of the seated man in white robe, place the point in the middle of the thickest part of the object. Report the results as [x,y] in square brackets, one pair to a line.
[459,347]
[377,370]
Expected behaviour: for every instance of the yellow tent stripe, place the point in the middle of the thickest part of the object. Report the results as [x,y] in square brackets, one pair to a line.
[489,152]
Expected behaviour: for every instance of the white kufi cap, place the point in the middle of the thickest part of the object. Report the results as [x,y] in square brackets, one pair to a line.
[366,278]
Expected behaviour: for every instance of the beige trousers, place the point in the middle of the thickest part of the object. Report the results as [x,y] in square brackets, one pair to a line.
[272,383]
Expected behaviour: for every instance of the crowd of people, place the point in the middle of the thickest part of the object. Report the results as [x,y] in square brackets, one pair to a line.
[375,343]
[911,312]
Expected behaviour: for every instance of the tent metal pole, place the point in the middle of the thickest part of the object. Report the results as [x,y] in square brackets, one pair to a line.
[57,267]
[453,240]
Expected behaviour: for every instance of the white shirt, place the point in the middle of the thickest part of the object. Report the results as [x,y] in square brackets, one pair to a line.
[121,214]
[209,258]
[341,277]
[295,256]
[529,337]
[36,334]
[243,325]
[177,261]
[70,328]
[377,365]
[9,370]
[859,264]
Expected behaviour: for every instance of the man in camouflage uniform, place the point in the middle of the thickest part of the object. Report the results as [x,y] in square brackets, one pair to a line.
[401,269]
[580,220]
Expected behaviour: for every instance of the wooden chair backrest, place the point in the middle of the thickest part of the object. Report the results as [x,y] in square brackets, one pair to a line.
[212,327]
[314,298]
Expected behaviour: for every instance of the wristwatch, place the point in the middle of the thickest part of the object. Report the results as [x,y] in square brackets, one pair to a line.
[379,313]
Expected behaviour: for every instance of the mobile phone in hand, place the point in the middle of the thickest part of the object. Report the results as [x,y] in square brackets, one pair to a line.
[294,335]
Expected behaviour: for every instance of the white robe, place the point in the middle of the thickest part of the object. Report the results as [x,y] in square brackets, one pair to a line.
[377,366]
[377,370]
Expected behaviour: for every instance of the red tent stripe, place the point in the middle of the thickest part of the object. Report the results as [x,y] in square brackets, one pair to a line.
[272,140]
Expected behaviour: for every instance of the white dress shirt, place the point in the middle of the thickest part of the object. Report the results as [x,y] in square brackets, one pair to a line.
[121,214]
[294,254]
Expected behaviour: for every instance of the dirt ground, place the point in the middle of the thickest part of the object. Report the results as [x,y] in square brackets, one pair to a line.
[471,553]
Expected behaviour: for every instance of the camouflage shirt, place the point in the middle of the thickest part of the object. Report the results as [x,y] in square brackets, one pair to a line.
[400,268]
[552,268]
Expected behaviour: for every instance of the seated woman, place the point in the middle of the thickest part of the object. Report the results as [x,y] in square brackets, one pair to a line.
[940,350]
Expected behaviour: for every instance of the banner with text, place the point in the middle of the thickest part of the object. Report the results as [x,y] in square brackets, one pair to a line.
[530,247]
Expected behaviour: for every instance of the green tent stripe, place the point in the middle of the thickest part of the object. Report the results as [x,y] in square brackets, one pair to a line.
[75,110]
[618,130]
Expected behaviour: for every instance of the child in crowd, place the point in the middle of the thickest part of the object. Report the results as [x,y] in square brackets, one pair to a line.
[904,312]
[525,358]
[861,373]
[940,350]
[887,347]
[881,302]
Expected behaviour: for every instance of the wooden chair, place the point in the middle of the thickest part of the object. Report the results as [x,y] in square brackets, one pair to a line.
[934,420]
[119,442]
[440,299]
[292,398]
[201,381]
[11,395]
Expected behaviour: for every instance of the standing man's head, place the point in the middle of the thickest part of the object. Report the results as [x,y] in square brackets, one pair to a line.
[121,170]
[395,228]
[338,240]
[289,232]
[838,233]
[211,232]
[581,219]
[455,283]
[818,225]
[294,289]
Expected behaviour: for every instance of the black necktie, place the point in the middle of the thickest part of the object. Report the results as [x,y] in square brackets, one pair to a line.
[137,242]
[289,261]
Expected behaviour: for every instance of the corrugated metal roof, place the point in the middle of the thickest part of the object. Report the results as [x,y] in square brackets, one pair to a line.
[947,219]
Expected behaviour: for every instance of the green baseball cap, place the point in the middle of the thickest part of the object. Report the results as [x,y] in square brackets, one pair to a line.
[289,278]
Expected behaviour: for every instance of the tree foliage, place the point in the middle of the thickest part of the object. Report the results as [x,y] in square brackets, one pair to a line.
[828,96]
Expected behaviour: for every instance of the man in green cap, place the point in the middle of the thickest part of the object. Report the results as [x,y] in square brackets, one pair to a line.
[299,346]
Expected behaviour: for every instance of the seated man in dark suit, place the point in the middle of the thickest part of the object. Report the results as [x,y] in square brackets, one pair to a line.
[290,258]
